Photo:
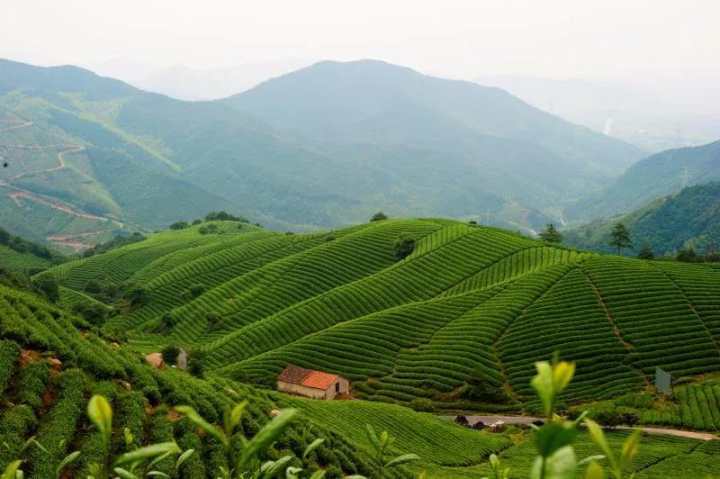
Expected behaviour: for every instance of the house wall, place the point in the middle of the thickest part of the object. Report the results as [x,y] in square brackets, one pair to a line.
[331,392]
[300,390]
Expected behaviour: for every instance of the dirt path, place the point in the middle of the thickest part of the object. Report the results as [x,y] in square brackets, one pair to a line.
[75,241]
[527,420]
[16,127]
[60,158]
[52,203]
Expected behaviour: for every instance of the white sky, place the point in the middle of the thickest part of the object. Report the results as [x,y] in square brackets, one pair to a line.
[463,38]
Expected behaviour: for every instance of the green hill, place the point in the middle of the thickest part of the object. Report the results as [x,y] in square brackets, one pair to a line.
[657,176]
[89,157]
[459,322]
[688,219]
[20,255]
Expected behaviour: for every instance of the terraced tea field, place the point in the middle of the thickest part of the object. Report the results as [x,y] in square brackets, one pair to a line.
[459,322]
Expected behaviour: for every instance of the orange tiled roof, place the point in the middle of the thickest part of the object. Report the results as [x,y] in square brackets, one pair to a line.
[307,377]
[319,380]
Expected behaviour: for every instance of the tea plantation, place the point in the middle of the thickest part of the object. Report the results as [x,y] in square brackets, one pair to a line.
[456,324]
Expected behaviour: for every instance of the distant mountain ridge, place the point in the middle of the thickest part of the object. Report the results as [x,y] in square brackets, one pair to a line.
[688,219]
[658,175]
[321,147]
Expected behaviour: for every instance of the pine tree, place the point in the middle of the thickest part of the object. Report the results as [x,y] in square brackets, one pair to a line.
[551,234]
[620,238]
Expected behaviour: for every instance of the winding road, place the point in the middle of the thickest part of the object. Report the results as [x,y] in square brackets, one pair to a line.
[17,194]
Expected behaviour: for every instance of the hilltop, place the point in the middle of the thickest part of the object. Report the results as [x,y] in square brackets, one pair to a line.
[470,309]
[90,157]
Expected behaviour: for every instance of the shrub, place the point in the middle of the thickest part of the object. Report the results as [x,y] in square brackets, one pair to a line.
[179,225]
[170,354]
[209,229]
[422,404]
[403,246]
[48,286]
[379,216]
[9,352]
[137,296]
[196,290]
[93,313]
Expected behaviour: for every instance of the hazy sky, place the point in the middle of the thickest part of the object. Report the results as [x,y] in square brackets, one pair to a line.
[464,38]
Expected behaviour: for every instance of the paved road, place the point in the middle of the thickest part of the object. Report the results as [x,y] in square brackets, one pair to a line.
[527,420]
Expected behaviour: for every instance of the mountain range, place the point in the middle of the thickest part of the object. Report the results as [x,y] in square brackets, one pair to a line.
[327,145]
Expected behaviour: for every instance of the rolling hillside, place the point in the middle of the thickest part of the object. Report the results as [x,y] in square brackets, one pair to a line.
[51,362]
[88,157]
[656,176]
[459,322]
[688,219]
[468,302]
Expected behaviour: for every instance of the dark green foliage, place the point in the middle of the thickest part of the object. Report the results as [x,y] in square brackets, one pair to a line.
[48,286]
[169,321]
[179,225]
[196,290]
[688,255]
[9,352]
[404,246]
[482,390]
[120,239]
[131,415]
[224,216]
[16,423]
[138,296]
[32,382]
[170,354]
[208,229]
[58,429]
[93,313]
[646,252]
[379,216]
[551,235]
[23,246]
[196,363]
[194,468]
[620,238]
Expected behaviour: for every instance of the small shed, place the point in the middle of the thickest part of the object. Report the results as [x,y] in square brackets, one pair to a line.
[312,384]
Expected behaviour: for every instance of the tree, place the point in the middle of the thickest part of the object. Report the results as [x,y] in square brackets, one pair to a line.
[403,246]
[379,216]
[620,238]
[646,252]
[48,286]
[551,234]
[179,225]
[170,354]
[687,255]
